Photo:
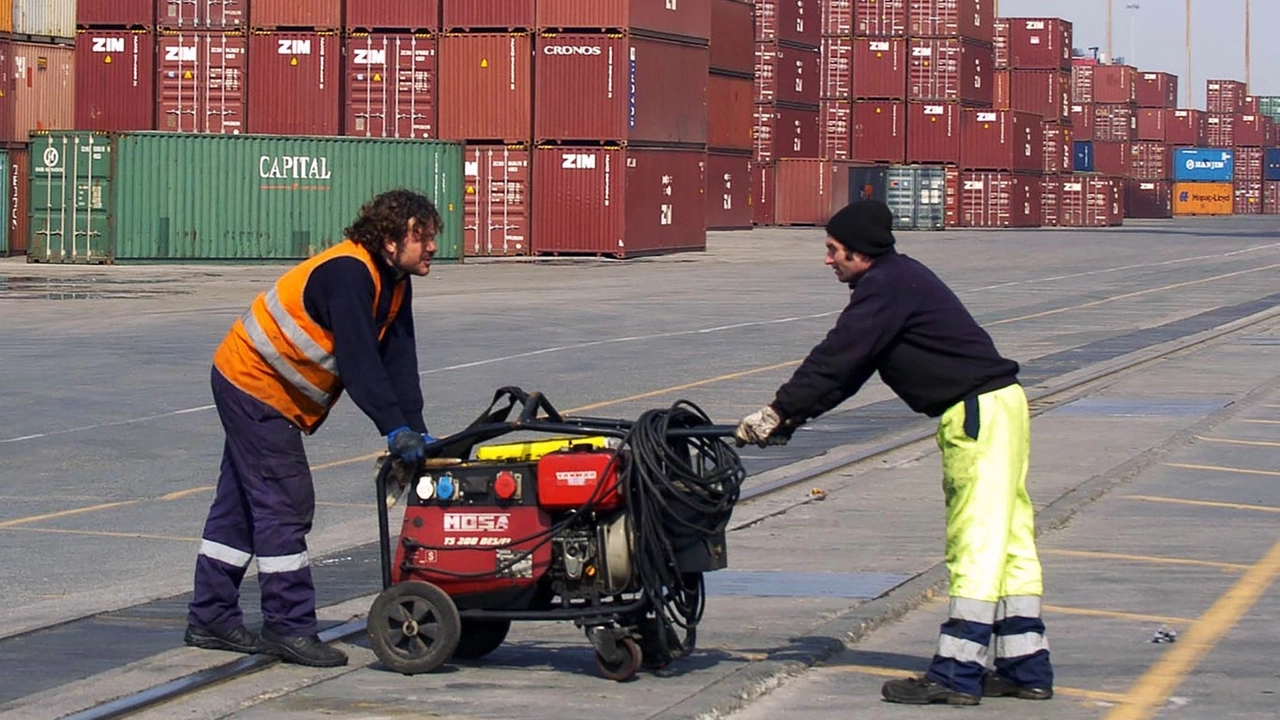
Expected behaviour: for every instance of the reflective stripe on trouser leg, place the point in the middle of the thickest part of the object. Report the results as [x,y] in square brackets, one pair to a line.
[1022,651]
[224,556]
[963,652]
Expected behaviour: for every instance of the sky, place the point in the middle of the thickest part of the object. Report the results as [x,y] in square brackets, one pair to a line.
[1153,37]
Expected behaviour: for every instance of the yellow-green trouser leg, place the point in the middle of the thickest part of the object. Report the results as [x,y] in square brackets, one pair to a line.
[996,582]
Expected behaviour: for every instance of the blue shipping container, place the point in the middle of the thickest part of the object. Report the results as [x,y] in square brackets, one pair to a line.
[1271,169]
[1083,154]
[1203,165]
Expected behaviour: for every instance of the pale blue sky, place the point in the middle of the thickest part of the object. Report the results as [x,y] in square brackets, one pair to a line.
[1158,39]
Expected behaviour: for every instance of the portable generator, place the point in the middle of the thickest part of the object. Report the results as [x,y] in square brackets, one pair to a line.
[609,524]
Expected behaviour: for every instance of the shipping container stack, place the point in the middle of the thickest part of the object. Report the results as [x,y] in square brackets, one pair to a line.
[1104,124]
[1234,120]
[1157,129]
[731,116]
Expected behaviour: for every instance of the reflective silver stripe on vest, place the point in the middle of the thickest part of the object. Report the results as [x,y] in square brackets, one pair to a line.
[1016,646]
[1025,606]
[283,563]
[296,335]
[979,611]
[958,649]
[225,553]
[269,353]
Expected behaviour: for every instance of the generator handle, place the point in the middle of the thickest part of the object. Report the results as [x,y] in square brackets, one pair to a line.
[707,431]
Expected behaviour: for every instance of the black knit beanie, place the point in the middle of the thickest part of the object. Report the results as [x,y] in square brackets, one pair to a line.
[865,226]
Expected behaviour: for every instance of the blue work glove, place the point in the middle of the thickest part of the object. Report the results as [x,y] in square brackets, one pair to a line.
[428,438]
[406,445]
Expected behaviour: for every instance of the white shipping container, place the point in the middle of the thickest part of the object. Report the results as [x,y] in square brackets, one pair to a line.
[45,18]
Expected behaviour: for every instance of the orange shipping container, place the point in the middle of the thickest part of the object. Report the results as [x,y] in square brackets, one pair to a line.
[44,88]
[6,17]
[485,89]
[1203,199]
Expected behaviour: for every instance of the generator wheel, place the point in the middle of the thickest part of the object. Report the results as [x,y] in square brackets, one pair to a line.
[480,637]
[624,669]
[413,627]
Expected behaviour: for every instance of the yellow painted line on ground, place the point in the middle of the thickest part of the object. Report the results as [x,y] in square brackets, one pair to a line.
[1145,559]
[886,672]
[1152,690]
[1227,441]
[1115,615]
[1202,503]
[1217,468]
[105,533]
[180,494]
[64,513]
[1262,422]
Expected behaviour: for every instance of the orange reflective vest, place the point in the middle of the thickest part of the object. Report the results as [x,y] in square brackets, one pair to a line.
[278,354]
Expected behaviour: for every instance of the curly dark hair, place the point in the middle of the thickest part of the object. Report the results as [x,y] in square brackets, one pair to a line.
[388,214]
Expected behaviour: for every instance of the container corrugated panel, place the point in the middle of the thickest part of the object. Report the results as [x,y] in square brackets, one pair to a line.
[487,14]
[1185,127]
[881,69]
[837,18]
[1150,124]
[386,15]
[6,17]
[916,194]
[1114,84]
[835,130]
[6,98]
[115,80]
[1203,198]
[202,14]
[880,18]
[728,178]
[391,86]
[1112,158]
[70,194]
[785,132]
[686,18]
[946,69]
[1157,90]
[1250,164]
[1082,121]
[485,88]
[1150,161]
[597,87]
[809,192]
[312,14]
[1253,131]
[295,83]
[762,193]
[1000,42]
[837,67]
[1148,199]
[1088,201]
[1000,89]
[794,21]
[1039,43]
[496,201]
[1271,164]
[19,199]
[126,13]
[730,125]
[621,202]
[1057,148]
[45,18]
[1213,165]
[1051,201]
[999,199]
[879,129]
[951,18]
[44,87]
[200,82]
[934,133]
[787,74]
[1271,197]
[1220,130]
[1114,123]
[1224,96]
[8,200]
[732,36]
[1082,82]
[951,197]
[1044,92]
[1002,140]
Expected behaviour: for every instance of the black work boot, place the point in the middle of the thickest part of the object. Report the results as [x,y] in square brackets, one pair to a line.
[993,685]
[239,639]
[923,691]
[302,649]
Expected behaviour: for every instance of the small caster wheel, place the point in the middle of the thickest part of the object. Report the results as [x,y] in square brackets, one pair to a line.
[414,627]
[624,668]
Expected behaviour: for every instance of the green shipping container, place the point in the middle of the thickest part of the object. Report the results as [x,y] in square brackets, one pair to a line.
[122,197]
[7,201]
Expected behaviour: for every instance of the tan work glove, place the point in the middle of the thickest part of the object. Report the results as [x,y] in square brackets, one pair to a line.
[758,426]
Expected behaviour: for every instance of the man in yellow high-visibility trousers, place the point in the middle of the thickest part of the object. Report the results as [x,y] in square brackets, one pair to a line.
[905,323]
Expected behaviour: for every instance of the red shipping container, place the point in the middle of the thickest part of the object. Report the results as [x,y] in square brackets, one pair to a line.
[786,74]
[1250,106]
[1224,96]
[313,14]
[1150,124]
[783,132]
[1250,164]
[837,18]
[1150,161]
[622,202]
[728,191]
[495,15]
[733,47]
[880,18]
[837,67]
[1039,44]
[1254,131]
[1112,158]
[1148,199]
[835,132]
[1270,197]
[115,80]
[19,199]
[1185,128]
[1114,123]
[44,88]
[387,15]
[1113,84]
[1002,140]
[1248,197]
[809,192]
[879,131]
[484,88]
[200,82]
[945,69]
[1156,90]
[496,201]
[934,133]
[951,18]
[762,193]
[6,98]
[1000,89]
[1058,148]
[1090,201]
[126,13]
[881,63]
[201,14]
[294,86]
[1046,93]
[1000,42]
[1000,199]
[686,18]
[795,21]
[619,88]
[391,86]
[1082,122]
[1220,130]
[951,197]
[730,126]
[1050,201]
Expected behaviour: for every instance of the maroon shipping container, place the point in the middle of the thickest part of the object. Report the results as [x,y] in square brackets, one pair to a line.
[951,197]
[879,131]
[1058,148]
[1254,131]
[1000,199]
[618,88]
[1114,123]
[6,98]
[1250,163]
[1224,96]
[880,18]
[1150,124]
[19,199]
[386,15]
[294,83]
[786,74]
[835,132]
[795,21]
[731,124]
[685,18]
[115,80]
[1148,199]
[496,201]
[1157,90]
[943,69]
[952,19]
[1220,130]
[762,175]
[1000,80]
[809,192]
[1185,128]
[1250,105]
[201,14]
[881,63]
[1002,140]
[783,132]
[728,191]
[1000,43]
[1150,161]
[497,15]
[1112,158]
[313,14]
[837,18]
[622,202]
[837,67]
[128,13]
[200,82]
[733,36]
[44,88]
[1248,197]
[1113,84]
[1050,201]
[1046,93]
[1039,44]
[1082,122]
[1090,201]
[934,133]
[484,88]
[391,86]
[1270,197]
